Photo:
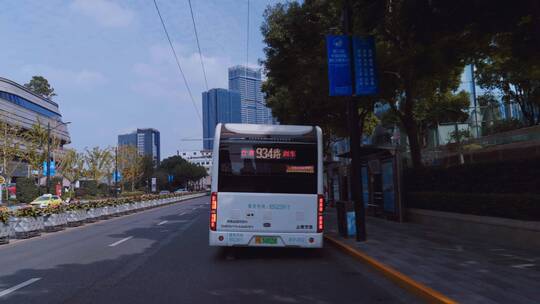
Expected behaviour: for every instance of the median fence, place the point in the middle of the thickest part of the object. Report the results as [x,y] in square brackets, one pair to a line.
[29,221]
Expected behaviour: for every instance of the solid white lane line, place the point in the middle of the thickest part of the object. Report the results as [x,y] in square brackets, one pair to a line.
[121,241]
[19,286]
[161,223]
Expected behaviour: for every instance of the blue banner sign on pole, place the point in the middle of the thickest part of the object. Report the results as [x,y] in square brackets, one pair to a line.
[53,169]
[117,176]
[364,65]
[339,65]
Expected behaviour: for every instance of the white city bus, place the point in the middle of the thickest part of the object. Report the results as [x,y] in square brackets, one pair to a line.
[267,186]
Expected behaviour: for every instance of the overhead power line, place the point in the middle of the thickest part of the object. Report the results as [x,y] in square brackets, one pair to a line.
[178,62]
[247,53]
[198,45]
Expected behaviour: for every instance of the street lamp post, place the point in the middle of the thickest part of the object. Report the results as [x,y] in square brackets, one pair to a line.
[116,171]
[48,180]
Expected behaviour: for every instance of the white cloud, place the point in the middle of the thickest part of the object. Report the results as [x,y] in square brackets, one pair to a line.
[159,76]
[104,12]
[58,77]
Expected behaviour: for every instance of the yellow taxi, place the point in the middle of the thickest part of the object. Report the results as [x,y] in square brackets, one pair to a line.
[47,200]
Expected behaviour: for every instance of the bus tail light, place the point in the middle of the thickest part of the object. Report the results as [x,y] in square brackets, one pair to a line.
[320,209]
[213,211]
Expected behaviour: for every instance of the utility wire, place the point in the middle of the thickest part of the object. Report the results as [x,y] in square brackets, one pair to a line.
[247,61]
[198,44]
[178,62]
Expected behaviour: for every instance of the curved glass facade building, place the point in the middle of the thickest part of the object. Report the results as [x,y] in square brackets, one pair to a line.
[21,107]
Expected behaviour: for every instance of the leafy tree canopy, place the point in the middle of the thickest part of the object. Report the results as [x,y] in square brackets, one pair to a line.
[40,85]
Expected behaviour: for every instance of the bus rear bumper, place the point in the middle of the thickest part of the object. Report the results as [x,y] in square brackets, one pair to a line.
[267,239]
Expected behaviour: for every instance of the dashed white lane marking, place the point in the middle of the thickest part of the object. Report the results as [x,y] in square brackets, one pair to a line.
[161,223]
[121,241]
[19,286]
[521,266]
[183,213]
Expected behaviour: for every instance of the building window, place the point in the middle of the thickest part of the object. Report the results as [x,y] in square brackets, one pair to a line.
[27,104]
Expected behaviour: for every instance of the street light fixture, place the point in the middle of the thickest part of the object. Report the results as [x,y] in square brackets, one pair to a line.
[49,151]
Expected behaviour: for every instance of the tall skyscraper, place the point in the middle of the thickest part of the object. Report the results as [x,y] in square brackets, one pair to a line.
[247,82]
[146,141]
[219,105]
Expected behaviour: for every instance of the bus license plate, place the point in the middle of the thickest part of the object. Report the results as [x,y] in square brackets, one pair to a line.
[272,240]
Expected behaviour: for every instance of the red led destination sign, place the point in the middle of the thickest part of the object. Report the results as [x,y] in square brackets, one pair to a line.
[267,153]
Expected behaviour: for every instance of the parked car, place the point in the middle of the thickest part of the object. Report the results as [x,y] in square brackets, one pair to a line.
[164,192]
[181,190]
[47,200]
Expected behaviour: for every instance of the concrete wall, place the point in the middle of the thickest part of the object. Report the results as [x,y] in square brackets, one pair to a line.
[516,233]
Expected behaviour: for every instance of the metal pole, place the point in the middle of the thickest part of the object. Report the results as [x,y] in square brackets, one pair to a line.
[354,138]
[473,91]
[48,157]
[116,171]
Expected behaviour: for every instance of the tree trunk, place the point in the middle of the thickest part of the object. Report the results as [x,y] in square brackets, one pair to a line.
[410,124]
[414,143]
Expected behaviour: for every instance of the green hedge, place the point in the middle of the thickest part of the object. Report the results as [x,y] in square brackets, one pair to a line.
[491,177]
[132,193]
[27,190]
[514,206]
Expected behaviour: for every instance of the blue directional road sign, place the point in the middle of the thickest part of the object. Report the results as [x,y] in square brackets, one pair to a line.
[339,65]
[364,65]
[170,178]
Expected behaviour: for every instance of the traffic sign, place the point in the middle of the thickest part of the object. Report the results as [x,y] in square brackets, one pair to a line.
[2,180]
[364,65]
[339,65]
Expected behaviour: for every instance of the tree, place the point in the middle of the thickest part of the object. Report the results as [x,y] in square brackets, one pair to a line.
[97,161]
[10,150]
[182,171]
[40,85]
[516,78]
[35,140]
[148,168]
[510,65]
[296,87]
[71,166]
[130,164]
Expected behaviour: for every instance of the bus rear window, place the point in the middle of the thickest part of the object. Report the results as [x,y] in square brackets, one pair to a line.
[268,167]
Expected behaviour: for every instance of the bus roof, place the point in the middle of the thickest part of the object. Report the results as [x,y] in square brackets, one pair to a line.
[253,129]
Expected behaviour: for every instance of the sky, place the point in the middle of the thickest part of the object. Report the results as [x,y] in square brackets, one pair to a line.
[110,63]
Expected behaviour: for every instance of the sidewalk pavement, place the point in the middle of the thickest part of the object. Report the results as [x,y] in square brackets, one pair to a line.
[463,268]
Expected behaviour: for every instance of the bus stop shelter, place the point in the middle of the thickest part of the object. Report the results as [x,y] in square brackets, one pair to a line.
[381,181]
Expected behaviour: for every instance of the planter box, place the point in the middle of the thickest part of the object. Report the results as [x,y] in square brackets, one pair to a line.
[54,222]
[4,233]
[25,227]
[91,215]
[74,218]
[115,210]
[104,213]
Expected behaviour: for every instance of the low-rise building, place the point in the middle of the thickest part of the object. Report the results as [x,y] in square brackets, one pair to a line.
[201,158]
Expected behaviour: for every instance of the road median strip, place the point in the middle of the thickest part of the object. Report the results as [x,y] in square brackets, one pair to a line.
[427,293]
[84,224]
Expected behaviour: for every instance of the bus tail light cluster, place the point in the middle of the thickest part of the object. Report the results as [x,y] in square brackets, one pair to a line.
[213,211]
[320,209]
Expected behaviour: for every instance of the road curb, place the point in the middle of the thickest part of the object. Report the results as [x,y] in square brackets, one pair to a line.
[427,293]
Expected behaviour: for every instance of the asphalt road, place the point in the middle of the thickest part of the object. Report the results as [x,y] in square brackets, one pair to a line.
[162,256]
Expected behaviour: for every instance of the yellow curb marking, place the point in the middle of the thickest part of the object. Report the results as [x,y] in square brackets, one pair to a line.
[431,295]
